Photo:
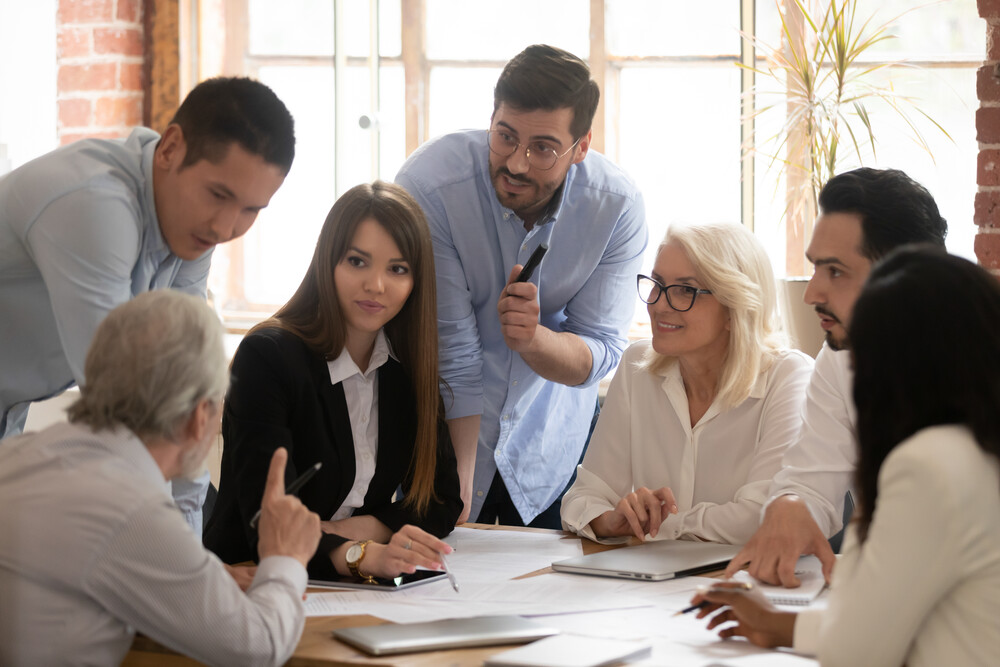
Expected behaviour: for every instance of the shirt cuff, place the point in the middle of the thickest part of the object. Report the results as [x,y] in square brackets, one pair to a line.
[458,406]
[281,568]
[805,635]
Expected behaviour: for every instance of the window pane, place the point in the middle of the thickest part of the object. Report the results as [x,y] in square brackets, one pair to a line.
[680,137]
[480,30]
[707,27]
[392,124]
[946,28]
[390,31]
[291,27]
[461,98]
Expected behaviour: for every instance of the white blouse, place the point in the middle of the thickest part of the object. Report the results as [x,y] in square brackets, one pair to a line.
[924,588]
[719,470]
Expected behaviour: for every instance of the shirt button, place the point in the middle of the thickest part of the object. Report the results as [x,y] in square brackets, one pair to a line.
[514,383]
[524,246]
[506,417]
[479,494]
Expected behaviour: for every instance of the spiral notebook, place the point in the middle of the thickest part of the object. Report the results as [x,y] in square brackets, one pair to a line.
[810,573]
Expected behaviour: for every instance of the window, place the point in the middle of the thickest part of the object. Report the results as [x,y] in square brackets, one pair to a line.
[670,114]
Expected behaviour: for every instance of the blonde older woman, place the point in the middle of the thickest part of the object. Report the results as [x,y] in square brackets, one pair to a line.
[696,419]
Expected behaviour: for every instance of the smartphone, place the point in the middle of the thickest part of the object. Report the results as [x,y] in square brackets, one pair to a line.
[394,584]
[532,264]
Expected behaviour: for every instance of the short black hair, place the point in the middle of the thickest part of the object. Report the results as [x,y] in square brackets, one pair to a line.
[894,209]
[544,77]
[223,110]
[926,346]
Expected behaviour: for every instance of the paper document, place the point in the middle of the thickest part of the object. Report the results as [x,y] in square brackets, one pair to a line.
[570,651]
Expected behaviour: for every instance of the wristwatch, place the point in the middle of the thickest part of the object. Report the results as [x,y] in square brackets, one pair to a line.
[356,554]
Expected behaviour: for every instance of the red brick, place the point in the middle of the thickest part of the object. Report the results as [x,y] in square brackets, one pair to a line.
[988,250]
[101,76]
[988,83]
[992,41]
[126,42]
[130,77]
[70,138]
[986,212]
[86,11]
[115,111]
[73,42]
[74,113]
[130,11]
[988,170]
[988,125]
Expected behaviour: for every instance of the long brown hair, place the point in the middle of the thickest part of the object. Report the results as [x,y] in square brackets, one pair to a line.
[313,313]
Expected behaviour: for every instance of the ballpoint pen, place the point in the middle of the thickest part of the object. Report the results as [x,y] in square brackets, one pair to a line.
[292,488]
[447,571]
[741,586]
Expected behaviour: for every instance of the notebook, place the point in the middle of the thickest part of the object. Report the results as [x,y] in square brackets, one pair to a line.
[451,633]
[810,573]
[653,561]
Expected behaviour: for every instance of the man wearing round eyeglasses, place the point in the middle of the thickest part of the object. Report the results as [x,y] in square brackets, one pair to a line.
[522,359]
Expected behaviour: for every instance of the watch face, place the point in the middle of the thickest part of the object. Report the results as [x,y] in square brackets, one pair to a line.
[354,553]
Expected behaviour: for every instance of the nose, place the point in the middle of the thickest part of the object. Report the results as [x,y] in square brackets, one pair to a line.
[374,283]
[224,223]
[517,162]
[814,291]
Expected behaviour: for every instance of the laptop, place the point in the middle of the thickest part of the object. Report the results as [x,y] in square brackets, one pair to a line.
[394,638]
[653,561]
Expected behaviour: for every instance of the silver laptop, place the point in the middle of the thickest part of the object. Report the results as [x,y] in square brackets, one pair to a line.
[451,633]
[653,561]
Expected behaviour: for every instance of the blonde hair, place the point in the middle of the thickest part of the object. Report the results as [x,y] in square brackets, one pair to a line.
[151,362]
[730,261]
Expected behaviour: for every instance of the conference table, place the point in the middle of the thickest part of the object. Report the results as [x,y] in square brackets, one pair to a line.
[317,648]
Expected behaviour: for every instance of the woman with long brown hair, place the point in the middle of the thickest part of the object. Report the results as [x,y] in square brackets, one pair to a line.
[345,374]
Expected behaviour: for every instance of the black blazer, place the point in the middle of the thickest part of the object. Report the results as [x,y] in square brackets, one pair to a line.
[281,396]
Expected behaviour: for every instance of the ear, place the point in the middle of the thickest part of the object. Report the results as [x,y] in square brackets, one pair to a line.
[201,419]
[171,149]
[583,147]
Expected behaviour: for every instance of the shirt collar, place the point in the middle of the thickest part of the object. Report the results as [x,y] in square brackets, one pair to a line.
[153,236]
[344,367]
[124,443]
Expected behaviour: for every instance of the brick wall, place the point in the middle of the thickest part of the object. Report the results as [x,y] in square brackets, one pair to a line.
[987,210]
[100,59]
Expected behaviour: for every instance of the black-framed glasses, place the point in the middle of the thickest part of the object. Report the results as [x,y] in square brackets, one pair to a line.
[540,155]
[679,297]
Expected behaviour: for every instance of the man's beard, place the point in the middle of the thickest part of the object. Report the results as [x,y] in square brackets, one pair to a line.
[831,340]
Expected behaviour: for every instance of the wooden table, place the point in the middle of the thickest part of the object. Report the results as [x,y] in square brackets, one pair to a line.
[318,649]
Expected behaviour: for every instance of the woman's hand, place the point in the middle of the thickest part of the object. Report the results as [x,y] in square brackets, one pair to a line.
[755,617]
[638,513]
[408,549]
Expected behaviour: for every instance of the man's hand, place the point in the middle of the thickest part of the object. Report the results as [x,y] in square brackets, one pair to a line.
[637,513]
[756,618]
[286,527]
[787,532]
[243,574]
[518,310]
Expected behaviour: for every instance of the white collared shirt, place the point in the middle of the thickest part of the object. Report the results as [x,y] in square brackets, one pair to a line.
[361,392]
[718,469]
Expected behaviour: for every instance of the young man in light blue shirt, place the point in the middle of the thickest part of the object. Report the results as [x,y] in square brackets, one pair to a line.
[522,360]
[91,225]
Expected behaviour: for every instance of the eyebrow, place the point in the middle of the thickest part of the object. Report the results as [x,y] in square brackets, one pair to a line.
[368,255]
[219,185]
[682,279]
[537,137]
[825,261]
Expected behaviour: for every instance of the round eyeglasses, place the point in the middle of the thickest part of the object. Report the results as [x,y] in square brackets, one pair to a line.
[540,154]
[679,297]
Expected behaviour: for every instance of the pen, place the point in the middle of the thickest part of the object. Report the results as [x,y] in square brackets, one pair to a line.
[451,577]
[292,488]
[742,586]
[532,263]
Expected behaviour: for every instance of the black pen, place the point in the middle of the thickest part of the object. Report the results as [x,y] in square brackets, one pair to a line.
[532,263]
[741,586]
[292,488]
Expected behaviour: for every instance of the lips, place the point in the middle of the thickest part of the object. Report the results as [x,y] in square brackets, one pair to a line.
[666,326]
[370,306]
[512,183]
[827,320]
[203,243]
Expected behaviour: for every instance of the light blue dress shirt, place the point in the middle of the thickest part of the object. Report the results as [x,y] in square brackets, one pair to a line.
[533,430]
[78,236]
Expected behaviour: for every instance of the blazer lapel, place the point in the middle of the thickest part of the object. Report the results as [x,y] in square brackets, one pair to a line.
[338,461]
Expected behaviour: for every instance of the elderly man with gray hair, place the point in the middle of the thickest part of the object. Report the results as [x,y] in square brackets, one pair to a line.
[93,548]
